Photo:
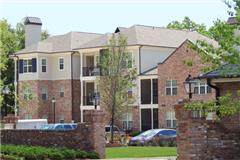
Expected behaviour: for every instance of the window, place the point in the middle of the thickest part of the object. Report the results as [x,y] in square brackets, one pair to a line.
[129,60]
[171,87]
[130,92]
[127,121]
[28,116]
[170,120]
[44,93]
[61,91]
[27,66]
[155,91]
[201,88]
[27,93]
[61,63]
[44,65]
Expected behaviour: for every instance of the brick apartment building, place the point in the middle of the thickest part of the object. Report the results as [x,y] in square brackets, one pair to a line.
[62,67]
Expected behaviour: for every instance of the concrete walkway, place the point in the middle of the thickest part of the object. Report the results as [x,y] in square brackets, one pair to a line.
[147,158]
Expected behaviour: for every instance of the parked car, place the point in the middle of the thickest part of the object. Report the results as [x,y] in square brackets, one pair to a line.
[151,134]
[60,126]
[118,133]
[31,123]
[116,130]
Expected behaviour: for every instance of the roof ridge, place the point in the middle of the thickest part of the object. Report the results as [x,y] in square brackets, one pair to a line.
[182,30]
[84,32]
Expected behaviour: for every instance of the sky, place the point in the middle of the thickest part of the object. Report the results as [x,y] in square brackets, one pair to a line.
[102,16]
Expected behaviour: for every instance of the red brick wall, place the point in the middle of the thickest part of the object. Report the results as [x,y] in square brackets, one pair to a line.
[39,108]
[199,139]
[87,136]
[229,87]
[76,101]
[174,68]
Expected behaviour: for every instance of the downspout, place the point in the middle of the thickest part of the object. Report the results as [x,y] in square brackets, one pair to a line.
[216,89]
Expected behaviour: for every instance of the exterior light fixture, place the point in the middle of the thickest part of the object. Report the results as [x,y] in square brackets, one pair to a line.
[96,98]
[189,86]
[53,107]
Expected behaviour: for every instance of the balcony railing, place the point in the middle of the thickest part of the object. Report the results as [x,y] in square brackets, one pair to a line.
[89,100]
[91,71]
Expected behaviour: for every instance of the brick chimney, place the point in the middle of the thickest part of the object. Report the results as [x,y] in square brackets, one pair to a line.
[33,27]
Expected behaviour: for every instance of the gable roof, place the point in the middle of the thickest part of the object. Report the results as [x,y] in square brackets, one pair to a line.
[151,71]
[164,60]
[225,71]
[149,35]
[60,43]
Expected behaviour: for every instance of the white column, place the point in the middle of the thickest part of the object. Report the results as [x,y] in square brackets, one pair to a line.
[81,82]
[152,116]
[139,103]
[15,87]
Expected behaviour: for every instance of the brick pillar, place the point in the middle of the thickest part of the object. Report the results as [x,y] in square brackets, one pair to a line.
[191,135]
[97,119]
[10,121]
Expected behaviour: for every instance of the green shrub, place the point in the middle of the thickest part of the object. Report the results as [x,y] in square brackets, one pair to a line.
[10,157]
[42,153]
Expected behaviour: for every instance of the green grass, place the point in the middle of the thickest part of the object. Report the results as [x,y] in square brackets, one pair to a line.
[135,152]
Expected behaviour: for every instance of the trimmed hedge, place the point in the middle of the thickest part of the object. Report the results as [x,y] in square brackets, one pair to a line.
[42,153]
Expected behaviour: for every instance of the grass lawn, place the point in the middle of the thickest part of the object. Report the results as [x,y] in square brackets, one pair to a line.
[134,152]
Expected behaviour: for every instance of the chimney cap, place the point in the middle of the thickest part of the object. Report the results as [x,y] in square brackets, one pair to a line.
[32,20]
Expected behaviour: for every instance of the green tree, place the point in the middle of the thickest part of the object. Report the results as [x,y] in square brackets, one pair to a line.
[8,45]
[11,41]
[189,25]
[228,38]
[118,74]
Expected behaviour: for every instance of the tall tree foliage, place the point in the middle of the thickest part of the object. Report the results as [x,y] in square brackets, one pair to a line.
[189,25]
[11,40]
[118,74]
[228,38]
[225,34]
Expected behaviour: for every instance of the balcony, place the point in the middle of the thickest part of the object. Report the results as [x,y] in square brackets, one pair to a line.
[91,71]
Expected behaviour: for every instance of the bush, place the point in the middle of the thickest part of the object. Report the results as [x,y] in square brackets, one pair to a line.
[133,133]
[9,157]
[41,153]
[159,142]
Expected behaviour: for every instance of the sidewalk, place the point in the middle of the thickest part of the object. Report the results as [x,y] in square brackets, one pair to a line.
[147,158]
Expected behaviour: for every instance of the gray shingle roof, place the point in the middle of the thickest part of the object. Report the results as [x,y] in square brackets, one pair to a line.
[32,20]
[61,43]
[225,71]
[149,35]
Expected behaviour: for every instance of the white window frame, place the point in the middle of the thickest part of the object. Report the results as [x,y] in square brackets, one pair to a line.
[59,63]
[130,54]
[127,118]
[44,90]
[61,90]
[170,118]
[44,65]
[199,85]
[27,92]
[171,87]
[27,65]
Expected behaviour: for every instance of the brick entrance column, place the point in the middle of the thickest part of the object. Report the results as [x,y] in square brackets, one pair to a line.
[97,119]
